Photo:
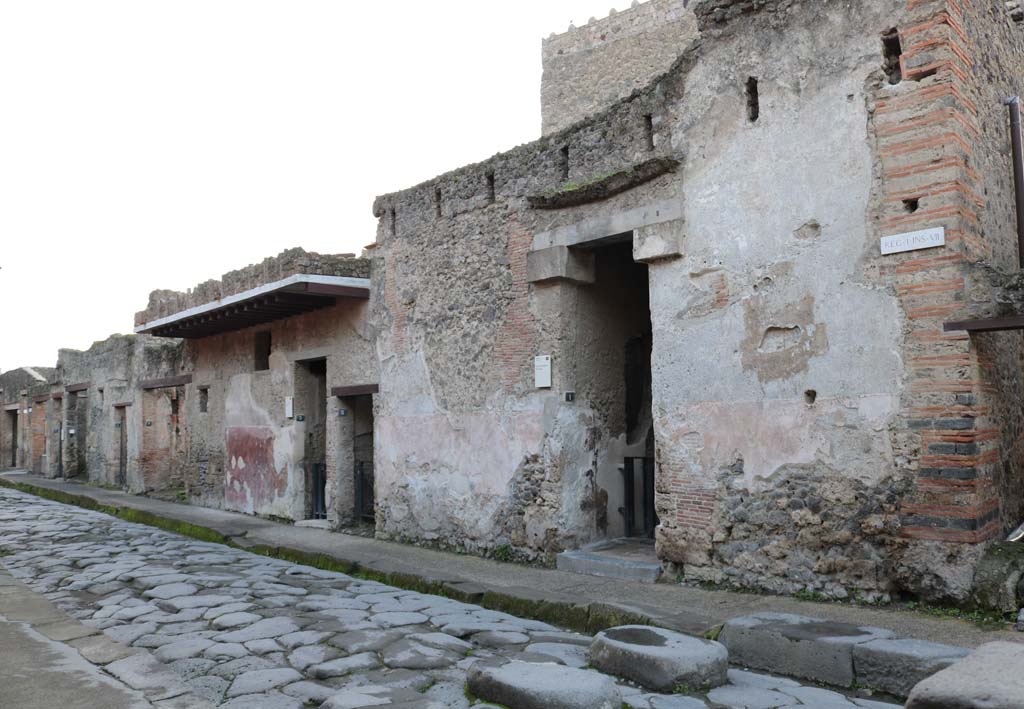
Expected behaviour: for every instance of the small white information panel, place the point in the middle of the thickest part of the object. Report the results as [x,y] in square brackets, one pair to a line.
[542,372]
[914,240]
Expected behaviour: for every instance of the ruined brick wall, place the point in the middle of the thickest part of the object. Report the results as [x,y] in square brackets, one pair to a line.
[91,385]
[163,303]
[589,68]
[18,388]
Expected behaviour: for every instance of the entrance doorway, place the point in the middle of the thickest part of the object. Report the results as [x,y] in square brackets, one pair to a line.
[12,459]
[311,397]
[121,429]
[612,340]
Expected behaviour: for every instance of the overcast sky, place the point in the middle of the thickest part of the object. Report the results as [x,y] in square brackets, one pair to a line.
[150,145]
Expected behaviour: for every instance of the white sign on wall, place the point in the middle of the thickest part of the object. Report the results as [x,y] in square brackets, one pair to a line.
[542,372]
[914,240]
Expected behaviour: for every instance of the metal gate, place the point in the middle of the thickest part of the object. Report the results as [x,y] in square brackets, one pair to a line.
[632,468]
[364,491]
[319,484]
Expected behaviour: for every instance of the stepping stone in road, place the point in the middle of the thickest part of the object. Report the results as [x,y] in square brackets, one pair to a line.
[989,677]
[526,685]
[659,659]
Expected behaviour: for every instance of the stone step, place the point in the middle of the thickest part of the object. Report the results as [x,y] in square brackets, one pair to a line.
[591,562]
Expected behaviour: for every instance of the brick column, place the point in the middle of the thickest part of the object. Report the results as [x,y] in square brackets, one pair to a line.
[926,137]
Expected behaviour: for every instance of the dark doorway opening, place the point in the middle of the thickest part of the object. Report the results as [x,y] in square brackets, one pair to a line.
[362,454]
[13,457]
[121,426]
[614,340]
[311,396]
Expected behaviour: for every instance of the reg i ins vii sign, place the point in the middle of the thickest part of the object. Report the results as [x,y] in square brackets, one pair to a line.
[914,240]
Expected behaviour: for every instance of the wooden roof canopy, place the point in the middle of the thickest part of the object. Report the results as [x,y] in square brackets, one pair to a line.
[286,298]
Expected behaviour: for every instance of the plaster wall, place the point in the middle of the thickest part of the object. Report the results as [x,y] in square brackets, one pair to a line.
[777,356]
[245,454]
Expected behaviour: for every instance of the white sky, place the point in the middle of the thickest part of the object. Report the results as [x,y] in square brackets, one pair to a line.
[150,145]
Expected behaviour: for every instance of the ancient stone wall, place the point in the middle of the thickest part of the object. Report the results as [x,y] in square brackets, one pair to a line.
[163,303]
[812,420]
[18,419]
[589,68]
[91,386]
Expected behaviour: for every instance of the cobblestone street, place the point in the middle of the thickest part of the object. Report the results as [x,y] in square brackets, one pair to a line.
[244,630]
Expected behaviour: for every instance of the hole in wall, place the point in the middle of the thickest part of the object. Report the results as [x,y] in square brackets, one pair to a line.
[810,396]
[491,195]
[911,205]
[437,203]
[649,131]
[892,50]
[776,339]
[563,162]
[204,401]
[809,231]
[753,100]
[393,221]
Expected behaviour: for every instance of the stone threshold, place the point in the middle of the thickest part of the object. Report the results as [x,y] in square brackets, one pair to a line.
[586,604]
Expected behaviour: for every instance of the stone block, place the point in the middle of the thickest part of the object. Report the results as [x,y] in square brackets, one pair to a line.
[526,685]
[988,678]
[659,659]
[798,646]
[560,263]
[895,666]
[658,241]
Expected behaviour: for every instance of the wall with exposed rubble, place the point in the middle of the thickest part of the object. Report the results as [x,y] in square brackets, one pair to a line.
[84,421]
[799,400]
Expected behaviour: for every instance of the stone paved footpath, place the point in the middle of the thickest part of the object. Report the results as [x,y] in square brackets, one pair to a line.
[247,631]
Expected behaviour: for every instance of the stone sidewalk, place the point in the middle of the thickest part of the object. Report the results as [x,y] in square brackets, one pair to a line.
[572,600]
[49,659]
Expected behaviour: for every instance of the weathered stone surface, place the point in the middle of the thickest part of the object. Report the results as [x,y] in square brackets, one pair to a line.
[145,673]
[171,590]
[797,645]
[233,620]
[544,686]
[182,649]
[345,665]
[895,666]
[408,654]
[259,681]
[565,654]
[260,630]
[659,659]
[991,677]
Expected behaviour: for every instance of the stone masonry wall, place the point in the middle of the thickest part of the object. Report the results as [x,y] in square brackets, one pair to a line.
[815,428]
[588,68]
[163,303]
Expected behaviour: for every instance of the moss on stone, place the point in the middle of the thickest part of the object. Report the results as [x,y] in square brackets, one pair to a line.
[603,186]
